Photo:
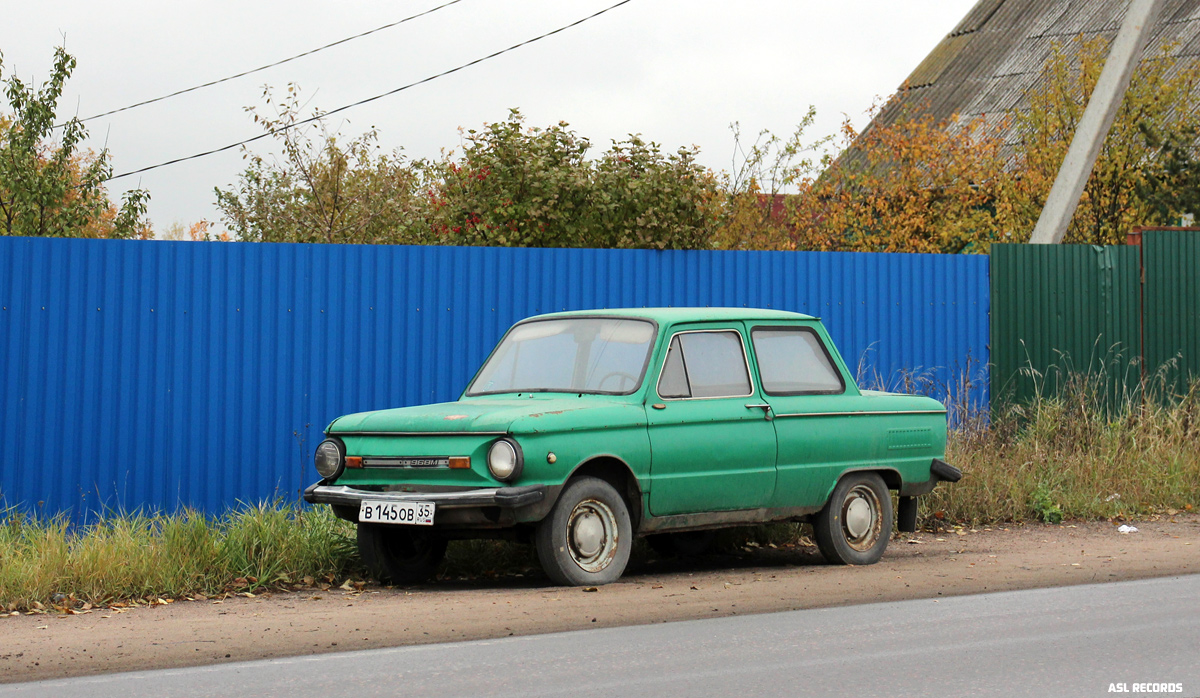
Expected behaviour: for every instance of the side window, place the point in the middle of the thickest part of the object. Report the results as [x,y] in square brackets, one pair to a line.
[705,364]
[674,382]
[793,361]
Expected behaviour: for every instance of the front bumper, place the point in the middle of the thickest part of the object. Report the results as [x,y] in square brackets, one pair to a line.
[503,497]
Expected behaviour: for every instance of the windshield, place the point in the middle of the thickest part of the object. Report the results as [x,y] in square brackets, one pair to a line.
[572,355]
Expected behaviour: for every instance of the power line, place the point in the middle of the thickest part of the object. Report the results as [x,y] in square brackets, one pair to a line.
[269,65]
[318,117]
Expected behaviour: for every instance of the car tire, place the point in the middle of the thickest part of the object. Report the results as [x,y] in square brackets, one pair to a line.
[400,554]
[856,523]
[682,543]
[587,537]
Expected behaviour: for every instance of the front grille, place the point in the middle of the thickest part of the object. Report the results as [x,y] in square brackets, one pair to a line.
[406,462]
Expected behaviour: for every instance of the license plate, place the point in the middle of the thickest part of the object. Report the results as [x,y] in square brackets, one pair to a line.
[412,513]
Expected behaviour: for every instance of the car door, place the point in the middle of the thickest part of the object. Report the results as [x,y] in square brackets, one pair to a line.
[812,400]
[712,449]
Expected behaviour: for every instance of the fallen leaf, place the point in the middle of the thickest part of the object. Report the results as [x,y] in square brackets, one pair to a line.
[590,589]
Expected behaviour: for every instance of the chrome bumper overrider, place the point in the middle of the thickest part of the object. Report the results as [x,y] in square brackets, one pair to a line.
[506,497]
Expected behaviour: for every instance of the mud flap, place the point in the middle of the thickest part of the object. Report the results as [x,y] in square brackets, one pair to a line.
[944,471]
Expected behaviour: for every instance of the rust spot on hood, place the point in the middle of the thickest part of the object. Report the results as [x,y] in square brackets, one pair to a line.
[539,414]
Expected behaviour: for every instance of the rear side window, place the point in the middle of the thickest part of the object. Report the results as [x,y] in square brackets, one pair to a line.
[792,361]
[705,364]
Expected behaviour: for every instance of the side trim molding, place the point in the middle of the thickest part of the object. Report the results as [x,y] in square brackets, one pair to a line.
[857,414]
[419,433]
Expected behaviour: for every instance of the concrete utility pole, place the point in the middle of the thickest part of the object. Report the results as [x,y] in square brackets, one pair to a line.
[1097,119]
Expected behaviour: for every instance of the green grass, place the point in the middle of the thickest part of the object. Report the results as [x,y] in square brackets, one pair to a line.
[139,556]
[1072,456]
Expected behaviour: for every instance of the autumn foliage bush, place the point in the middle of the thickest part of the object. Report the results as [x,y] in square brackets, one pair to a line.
[906,184]
[915,184]
[515,186]
[49,185]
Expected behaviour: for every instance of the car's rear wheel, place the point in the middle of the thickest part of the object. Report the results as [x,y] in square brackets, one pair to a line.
[682,543]
[587,537]
[854,526]
[400,554]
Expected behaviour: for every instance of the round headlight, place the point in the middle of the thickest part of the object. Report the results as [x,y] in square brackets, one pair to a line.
[329,459]
[505,460]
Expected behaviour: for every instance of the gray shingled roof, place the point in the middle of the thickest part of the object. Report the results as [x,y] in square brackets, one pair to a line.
[988,64]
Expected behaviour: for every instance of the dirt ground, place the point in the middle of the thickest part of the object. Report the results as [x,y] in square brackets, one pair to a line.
[925,565]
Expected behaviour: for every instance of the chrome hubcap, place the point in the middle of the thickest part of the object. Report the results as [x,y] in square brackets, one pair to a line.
[592,535]
[588,534]
[858,518]
[861,521]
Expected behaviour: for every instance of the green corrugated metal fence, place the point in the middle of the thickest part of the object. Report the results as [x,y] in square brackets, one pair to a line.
[1060,309]
[1120,312]
[1171,259]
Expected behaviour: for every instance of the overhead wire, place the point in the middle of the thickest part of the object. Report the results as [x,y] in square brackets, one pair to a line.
[244,73]
[322,115]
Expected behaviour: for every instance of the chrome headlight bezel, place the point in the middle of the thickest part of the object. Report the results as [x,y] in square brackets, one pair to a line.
[322,457]
[505,459]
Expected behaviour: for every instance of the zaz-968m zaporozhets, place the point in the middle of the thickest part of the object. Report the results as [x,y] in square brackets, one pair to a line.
[584,430]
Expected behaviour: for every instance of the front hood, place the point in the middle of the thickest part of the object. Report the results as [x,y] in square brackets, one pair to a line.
[509,415]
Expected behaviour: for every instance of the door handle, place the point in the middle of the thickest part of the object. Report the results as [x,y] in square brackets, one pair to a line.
[762,406]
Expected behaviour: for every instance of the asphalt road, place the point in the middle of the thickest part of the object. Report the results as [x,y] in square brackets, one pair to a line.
[1072,641]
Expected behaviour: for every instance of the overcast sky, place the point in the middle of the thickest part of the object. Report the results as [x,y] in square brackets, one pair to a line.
[676,72]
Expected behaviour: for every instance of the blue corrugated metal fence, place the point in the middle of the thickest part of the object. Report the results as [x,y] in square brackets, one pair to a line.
[159,374]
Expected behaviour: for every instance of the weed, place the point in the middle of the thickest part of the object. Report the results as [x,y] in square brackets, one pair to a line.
[1044,507]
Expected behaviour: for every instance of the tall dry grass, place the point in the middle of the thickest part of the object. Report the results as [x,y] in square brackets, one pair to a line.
[1085,452]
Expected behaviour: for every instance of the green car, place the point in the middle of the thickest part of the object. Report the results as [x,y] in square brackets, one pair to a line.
[586,429]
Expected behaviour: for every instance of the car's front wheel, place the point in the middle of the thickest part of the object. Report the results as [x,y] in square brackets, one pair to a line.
[856,523]
[400,554]
[587,537]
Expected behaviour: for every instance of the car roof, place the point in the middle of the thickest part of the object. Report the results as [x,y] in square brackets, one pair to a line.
[666,316]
